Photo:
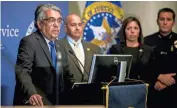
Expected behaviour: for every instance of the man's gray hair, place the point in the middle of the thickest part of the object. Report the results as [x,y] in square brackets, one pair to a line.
[40,12]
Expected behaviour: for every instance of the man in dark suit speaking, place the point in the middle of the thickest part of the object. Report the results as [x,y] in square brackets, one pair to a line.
[79,51]
[39,77]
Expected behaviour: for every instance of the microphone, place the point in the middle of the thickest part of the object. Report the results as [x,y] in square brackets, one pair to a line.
[113,79]
[59,62]
[71,52]
[59,70]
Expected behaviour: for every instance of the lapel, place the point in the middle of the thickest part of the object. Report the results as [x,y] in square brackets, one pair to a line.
[44,46]
[73,58]
[57,46]
[88,55]
[140,52]
[122,49]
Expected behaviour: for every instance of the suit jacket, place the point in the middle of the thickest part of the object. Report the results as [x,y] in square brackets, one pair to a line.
[74,67]
[35,73]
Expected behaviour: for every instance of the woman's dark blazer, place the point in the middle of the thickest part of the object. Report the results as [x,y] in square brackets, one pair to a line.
[142,66]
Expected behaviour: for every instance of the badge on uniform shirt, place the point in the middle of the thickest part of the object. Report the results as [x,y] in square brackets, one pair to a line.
[175,44]
[172,48]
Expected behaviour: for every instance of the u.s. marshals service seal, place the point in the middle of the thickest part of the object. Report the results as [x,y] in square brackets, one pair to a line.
[102,22]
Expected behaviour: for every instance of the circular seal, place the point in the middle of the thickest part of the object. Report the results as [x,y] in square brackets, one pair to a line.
[175,44]
[102,22]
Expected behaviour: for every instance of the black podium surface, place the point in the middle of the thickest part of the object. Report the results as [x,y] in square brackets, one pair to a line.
[90,94]
[84,94]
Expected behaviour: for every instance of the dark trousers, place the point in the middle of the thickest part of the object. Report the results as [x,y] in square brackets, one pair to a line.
[166,98]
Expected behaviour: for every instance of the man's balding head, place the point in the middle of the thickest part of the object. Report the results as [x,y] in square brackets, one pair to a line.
[73,26]
[70,16]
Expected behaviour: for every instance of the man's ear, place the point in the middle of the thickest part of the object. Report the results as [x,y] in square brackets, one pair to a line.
[65,28]
[157,22]
[173,22]
[83,25]
[39,24]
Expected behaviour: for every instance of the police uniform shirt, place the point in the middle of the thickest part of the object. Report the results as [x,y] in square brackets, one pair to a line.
[165,50]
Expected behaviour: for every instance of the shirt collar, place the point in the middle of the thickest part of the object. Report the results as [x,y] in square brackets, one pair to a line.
[47,40]
[73,41]
[165,37]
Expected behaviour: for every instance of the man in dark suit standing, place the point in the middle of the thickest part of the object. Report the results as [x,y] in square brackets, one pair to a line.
[79,51]
[39,77]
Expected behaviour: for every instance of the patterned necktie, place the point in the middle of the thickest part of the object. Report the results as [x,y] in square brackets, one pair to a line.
[53,53]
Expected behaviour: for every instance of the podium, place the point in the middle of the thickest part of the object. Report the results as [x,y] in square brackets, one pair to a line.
[84,94]
[128,94]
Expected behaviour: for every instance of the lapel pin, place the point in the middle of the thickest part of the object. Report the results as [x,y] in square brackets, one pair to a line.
[88,49]
[140,50]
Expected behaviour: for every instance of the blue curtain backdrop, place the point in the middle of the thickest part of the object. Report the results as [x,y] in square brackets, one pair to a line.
[16,22]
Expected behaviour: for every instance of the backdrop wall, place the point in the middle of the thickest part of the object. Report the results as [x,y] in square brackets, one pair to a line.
[17,22]
[146,11]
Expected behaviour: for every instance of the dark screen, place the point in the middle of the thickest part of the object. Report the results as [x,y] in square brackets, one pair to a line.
[107,67]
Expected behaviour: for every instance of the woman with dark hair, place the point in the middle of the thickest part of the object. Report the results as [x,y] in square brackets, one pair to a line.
[131,42]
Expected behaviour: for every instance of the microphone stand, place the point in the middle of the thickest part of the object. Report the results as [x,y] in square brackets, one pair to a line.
[71,52]
[58,72]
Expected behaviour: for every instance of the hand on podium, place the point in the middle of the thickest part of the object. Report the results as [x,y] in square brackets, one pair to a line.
[36,100]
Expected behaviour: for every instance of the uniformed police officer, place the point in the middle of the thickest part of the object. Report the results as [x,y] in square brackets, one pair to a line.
[163,93]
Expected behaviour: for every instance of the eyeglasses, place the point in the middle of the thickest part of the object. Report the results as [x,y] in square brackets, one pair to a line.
[52,20]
